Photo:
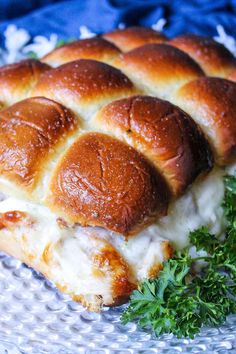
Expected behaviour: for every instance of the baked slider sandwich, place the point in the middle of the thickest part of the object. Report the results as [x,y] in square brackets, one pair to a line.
[109,149]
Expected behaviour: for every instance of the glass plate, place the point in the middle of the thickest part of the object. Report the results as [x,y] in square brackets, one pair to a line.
[36,318]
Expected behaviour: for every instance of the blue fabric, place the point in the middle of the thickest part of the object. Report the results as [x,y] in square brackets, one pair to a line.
[65,17]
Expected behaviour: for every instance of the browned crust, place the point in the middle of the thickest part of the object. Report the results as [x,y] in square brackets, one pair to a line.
[212,104]
[159,67]
[168,250]
[11,218]
[232,76]
[163,133]
[16,80]
[213,57]
[133,37]
[83,82]
[109,260]
[157,267]
[29,131]
[101,181]
[92,48]
[107,264]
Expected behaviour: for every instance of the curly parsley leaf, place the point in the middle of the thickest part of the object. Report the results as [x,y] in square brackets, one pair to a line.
[229,202]
[62,42]
[32,55]
[181,302]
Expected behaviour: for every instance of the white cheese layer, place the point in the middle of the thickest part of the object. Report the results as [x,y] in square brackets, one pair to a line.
[200,206]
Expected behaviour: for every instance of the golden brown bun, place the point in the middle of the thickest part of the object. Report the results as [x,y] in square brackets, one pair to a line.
[232,76]
[212,104]
[101,181]
[16,80]
[163,133]
[158,69]
[213,57]
[92,48]
[133,37]
[84,86]
[29,132]
[121,286]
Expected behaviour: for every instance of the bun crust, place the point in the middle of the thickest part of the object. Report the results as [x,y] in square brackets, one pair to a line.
[133,37]
[16,80]
[212,104]
[163,133]
[212,56]
[84,85]
[101,181]
[29,132]
[92,48]
[158,69]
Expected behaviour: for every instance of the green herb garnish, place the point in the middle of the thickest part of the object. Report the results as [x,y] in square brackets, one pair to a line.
[32,55]
[180,301]
[62,42]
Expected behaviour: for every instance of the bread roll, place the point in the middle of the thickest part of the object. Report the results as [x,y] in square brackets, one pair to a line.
[158,69]
[16,80]
[84,86]
[30,133]
[92,48]
[94,185]
[212,56]
[211,103]
[132,37]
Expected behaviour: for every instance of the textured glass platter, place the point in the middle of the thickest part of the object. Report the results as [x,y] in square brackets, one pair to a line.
[36,318]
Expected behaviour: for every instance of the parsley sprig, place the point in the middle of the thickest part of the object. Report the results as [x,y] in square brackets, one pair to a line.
[181,301]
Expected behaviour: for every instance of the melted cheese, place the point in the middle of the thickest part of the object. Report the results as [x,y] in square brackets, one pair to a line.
[201,205]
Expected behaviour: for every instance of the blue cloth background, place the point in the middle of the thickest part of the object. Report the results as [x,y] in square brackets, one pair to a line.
[65,17]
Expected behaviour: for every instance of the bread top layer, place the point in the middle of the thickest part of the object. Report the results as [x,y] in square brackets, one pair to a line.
[147,144]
